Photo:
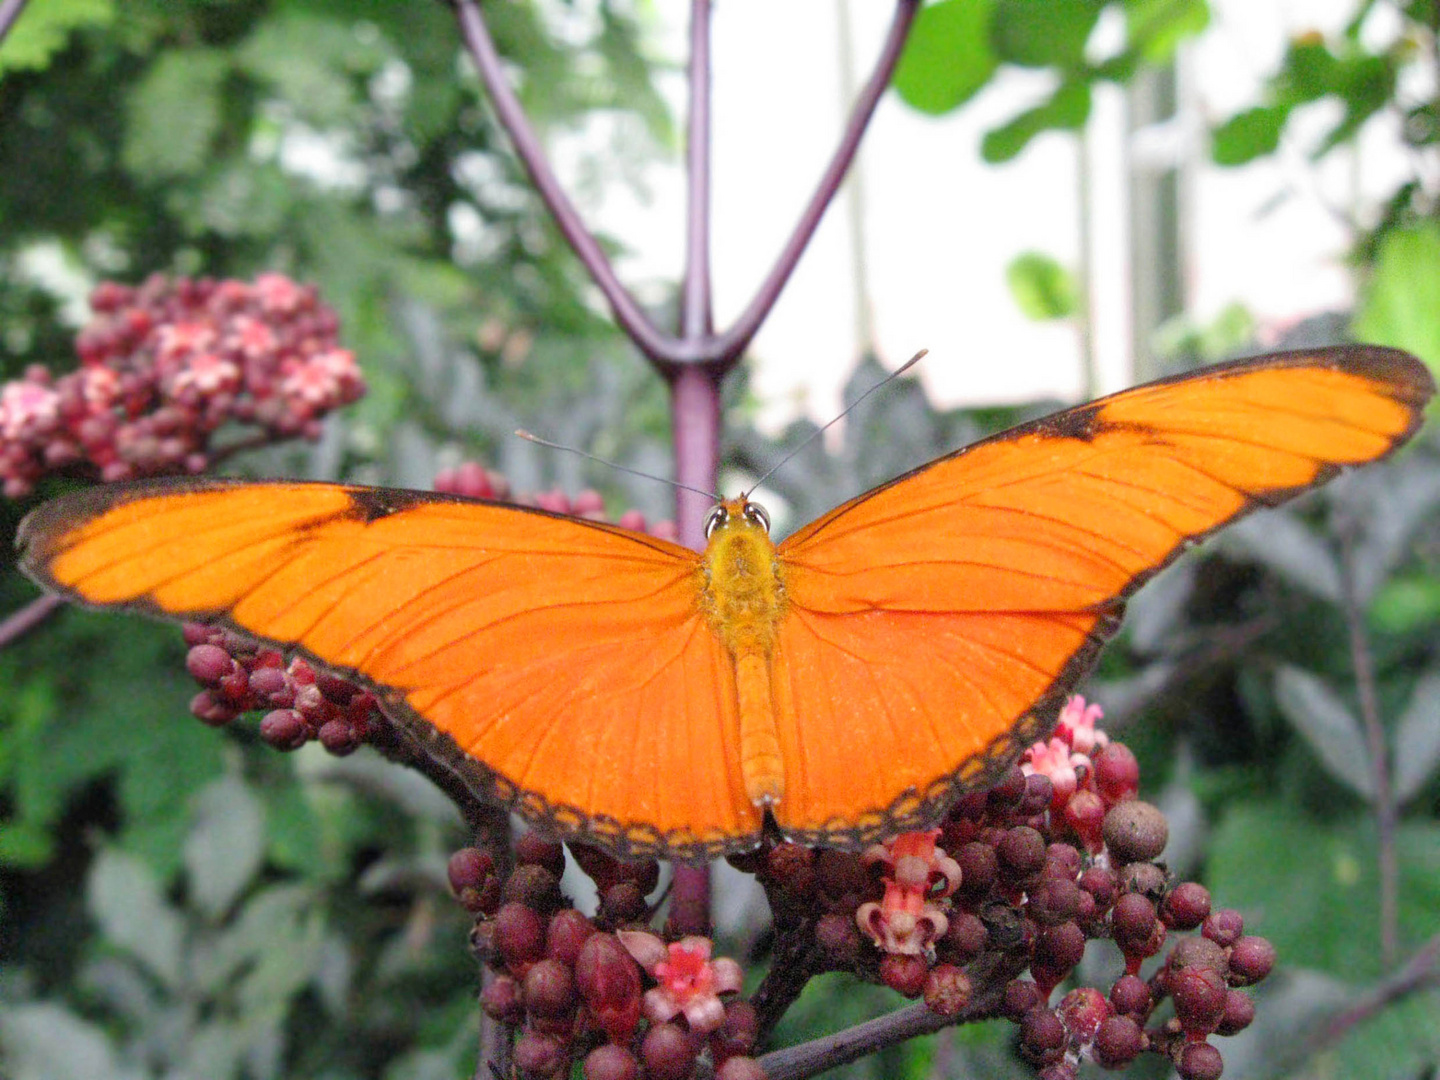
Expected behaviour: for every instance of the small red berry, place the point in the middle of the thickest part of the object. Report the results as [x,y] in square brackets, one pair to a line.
[1042,1037]
[947,990]
[1239,1013]
[1118,1042]
[1224,926]
[610,1062]
[904,974]
[1135,831]
[1185,906]
[669,1052]
[1251,959]
[1117,773]
[1199,1061]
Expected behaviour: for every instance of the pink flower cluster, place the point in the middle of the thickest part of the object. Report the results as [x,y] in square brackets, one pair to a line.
[907,921]
[1082,791]
[163,367]
[687,980]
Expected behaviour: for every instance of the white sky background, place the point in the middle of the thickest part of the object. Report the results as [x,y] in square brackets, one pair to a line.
[941,226]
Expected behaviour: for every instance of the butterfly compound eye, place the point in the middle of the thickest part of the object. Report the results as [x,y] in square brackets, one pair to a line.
[757,514]
[718,516]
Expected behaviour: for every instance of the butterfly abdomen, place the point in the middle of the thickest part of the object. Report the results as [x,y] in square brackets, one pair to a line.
[744,599]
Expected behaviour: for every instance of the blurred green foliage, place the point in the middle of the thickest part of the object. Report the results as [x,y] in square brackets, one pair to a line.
[959,46]
[177,902]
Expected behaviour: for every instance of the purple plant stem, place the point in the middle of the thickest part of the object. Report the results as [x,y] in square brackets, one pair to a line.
[696,296]
[1421,972]
[1375,744]
[9,12]
[635,323]
[991,974]
[28,617]
[695,390]
[666,350]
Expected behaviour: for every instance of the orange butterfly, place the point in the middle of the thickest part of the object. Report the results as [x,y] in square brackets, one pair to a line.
[624,690]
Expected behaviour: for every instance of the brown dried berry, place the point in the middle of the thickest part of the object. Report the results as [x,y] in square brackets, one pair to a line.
[1135,831]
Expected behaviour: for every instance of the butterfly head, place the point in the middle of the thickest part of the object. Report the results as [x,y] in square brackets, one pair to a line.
[731,514]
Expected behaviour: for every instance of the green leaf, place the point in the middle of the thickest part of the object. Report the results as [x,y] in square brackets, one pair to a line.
[174,114]
[1317,885]
[1417,738]
[312,63]
[1327,724]
[125,899]
[43,29]
[1367,85]
[1405,604]
[1398,306]
[947,57]
[1042,287]
[49,1042]
[1308,72]
[1049,34]
[25,844]
[1068,109]
[1248,135]
[1157,27]
[225,845]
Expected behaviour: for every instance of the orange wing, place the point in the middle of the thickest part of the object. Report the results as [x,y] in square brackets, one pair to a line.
[560,666]
[935,623]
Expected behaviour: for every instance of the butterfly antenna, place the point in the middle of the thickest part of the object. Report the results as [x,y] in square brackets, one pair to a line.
[528,437]
[886,381]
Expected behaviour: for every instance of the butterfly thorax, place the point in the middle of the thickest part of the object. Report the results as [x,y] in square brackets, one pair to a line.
[744,593]
[744,599]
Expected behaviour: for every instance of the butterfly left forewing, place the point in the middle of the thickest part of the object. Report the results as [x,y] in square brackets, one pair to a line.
[560,666]
[936,621]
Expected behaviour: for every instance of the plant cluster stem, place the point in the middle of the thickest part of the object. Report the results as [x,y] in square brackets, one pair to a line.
[1376,748]
[9,12]
[20,623]
[831,1051]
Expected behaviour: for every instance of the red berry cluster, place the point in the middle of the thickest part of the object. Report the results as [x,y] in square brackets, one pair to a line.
[576,986]
[477,482]
[300,703]
[163,367]
[1026,875]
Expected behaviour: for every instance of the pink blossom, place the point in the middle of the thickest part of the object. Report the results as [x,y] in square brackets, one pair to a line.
[253,338]
[916,862]
[99,386]
[689,981]
[278,293]
[904,922]
[207,373]
[178,340]
[1053,758]
[26,406]
[1077,725]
